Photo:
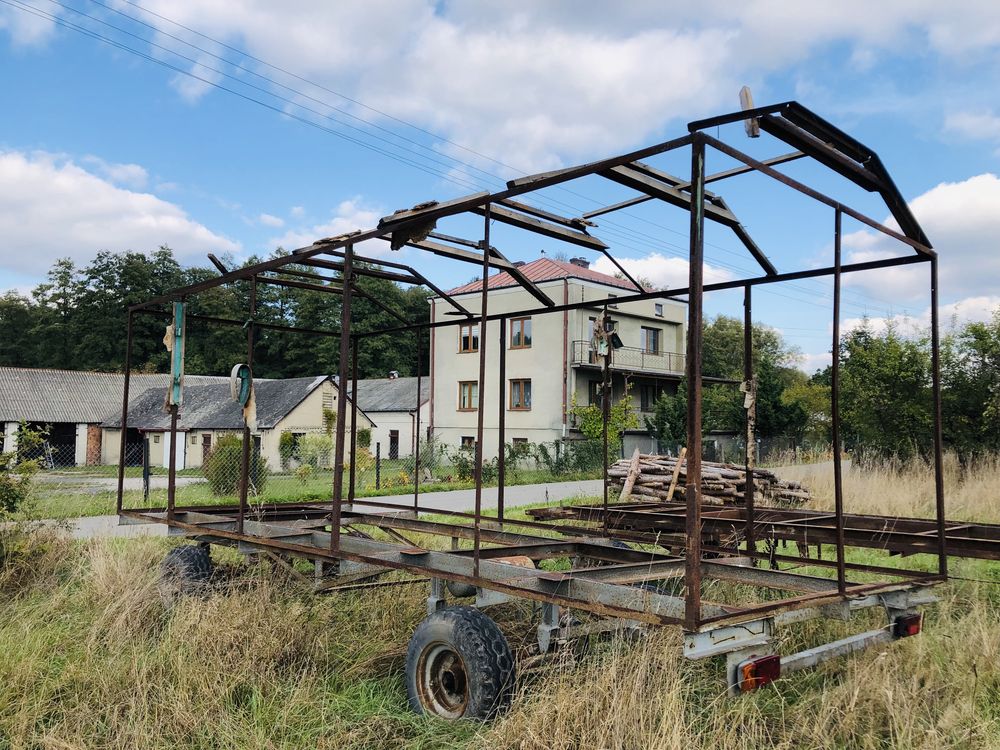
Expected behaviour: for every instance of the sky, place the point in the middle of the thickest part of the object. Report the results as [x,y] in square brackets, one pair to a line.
[239,126]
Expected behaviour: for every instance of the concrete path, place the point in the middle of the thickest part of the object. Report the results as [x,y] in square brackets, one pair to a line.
[458,500]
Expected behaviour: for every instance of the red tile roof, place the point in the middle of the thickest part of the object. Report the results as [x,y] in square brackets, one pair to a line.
[544,269]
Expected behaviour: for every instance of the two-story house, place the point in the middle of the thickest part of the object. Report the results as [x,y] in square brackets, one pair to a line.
[549,357]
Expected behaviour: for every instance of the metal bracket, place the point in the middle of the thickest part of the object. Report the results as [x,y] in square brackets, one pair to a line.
[436,600]
[727,639]
[547,627]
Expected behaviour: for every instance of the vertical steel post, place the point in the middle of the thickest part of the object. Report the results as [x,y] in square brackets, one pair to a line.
[347,279]
[354,416]
[416,429]
[378,466]
[605,412]
[502,418]
[750,451]
[938,439]
[692,487]
[172,464]
[838,481]
[482,383]
[122,456]
[245,456]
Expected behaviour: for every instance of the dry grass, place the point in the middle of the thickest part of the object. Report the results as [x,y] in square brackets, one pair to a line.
[92,659]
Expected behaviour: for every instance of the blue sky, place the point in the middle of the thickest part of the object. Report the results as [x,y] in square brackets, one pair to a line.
[101,148]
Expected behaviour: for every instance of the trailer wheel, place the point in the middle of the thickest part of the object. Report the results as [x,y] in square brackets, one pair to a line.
[185,570]
[459,665]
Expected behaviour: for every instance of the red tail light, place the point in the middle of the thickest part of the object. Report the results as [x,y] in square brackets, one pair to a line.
[755,673]
[907,625]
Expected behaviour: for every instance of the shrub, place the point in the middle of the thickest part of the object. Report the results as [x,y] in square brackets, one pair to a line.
[316,449]
[286,449]
[222,467]
[16,476]
[464,461]
[365,437]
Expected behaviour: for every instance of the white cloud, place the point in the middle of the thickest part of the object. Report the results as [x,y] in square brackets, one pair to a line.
[126,175]
[978,126]
[663,271]
[26,29]
[350,215]
[51,207]
[963,223]
[540,84]
[269,220]
[810,363]
[297,212]
[968,310]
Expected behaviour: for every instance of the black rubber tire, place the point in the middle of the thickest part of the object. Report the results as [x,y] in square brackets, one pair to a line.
[459,665]
[185,570]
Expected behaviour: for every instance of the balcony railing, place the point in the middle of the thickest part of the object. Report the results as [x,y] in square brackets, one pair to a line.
[631,358]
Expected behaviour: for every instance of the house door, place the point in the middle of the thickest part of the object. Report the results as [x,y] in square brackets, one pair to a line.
[206,445]
[393,443]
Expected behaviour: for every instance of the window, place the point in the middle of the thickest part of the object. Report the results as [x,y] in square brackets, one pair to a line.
[520,394]
[156,438]
[194,439]
[658,309]
[651,340]
[594,391]
[393,443]
[468,338]
[519,441]
[468,395]
[520,333]
[468,441]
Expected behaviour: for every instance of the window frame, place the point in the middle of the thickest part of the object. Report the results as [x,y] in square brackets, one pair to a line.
[474,334]
[510,394]
[645,340]
[473,388]
[525,326]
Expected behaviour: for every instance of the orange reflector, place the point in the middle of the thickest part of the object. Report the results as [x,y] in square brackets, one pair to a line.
[907,625]
[755,673]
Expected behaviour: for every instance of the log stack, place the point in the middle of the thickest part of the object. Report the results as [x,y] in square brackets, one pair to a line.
[724,484]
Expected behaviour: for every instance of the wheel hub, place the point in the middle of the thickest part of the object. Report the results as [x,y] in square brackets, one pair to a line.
[442,681]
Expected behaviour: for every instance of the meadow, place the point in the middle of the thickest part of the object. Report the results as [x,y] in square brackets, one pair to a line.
[92,658]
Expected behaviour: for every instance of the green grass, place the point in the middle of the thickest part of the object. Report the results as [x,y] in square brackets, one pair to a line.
[73,500]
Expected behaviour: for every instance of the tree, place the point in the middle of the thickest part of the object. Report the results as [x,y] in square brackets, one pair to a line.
[885,395]
[970,375]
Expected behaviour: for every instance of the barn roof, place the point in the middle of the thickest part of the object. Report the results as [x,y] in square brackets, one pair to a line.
[210,406]
[391,394]
[79,396]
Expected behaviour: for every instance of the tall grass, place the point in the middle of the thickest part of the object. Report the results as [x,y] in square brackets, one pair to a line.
[91,658]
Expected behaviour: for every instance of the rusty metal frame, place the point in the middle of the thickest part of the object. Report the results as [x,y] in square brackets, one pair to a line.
[689,530]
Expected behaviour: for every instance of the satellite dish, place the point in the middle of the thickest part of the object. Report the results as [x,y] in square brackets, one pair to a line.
[751,125]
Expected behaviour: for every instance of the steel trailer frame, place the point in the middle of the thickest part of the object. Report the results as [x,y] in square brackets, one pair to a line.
[329,534]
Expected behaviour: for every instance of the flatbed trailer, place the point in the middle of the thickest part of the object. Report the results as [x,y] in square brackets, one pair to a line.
[627,567]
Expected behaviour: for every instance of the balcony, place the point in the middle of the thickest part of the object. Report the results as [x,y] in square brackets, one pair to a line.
[630,359]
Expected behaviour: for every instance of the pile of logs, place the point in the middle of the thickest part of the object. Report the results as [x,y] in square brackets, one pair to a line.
[653,478]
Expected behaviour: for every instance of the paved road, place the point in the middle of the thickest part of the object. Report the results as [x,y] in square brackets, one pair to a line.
[85,484]
[459,500]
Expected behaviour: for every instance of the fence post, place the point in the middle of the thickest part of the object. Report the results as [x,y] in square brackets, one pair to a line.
[145,470]
[378,465]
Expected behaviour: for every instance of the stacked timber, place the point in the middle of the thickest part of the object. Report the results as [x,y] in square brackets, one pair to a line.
[654,478]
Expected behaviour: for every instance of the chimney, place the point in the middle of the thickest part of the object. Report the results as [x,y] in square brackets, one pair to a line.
[518,263]
[580,262]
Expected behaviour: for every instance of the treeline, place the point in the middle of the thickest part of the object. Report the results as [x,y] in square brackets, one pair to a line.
[885,396]
[77,320]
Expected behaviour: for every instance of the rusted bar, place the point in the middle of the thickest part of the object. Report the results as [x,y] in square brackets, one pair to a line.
[605,411]
[354,416]
[245,456]
[692,493]
[751,398]
[502,417]
[838,481]
[480,411]
[938,440]
[416,428]
[345,353]
[172,464]
[122,457]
